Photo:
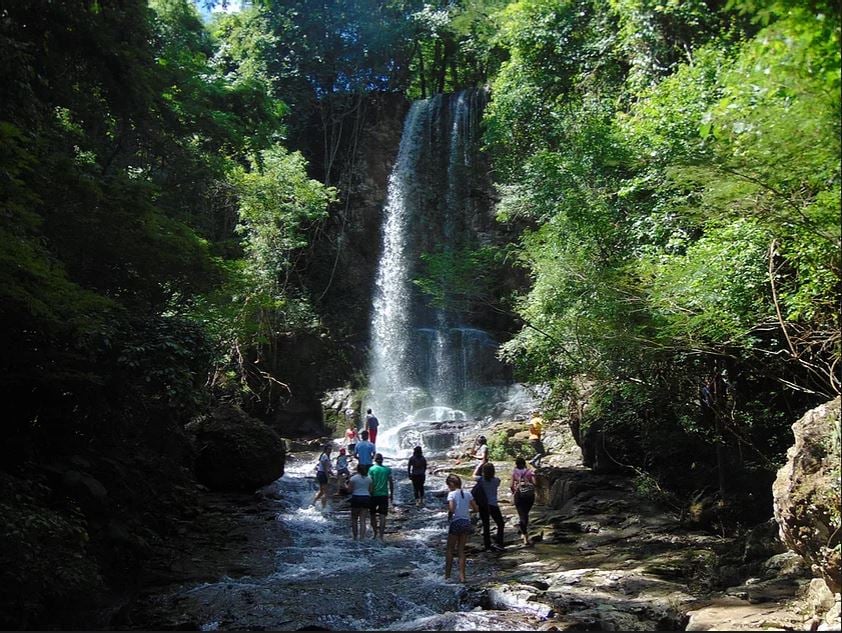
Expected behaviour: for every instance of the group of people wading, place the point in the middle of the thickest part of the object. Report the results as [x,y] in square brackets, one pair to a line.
[372,490]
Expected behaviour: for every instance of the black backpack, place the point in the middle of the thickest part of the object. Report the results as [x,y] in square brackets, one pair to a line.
[478,493]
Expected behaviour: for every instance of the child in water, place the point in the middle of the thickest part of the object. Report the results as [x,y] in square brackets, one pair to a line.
[342,472]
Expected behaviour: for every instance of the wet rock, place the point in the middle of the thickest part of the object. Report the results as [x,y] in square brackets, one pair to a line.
[807,493]
[516,597]
[235,451]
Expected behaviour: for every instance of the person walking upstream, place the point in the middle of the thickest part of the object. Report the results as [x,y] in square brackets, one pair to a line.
[371,424]
[382,493]
[323,472]
[417,471]
[459,504]
[490,510]
[365,450]
[523,492]
[360,486]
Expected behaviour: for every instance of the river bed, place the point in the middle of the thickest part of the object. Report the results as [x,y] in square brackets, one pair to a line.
[315,576]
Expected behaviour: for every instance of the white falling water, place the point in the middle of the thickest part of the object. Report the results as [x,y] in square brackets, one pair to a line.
[391,315]
[416,359]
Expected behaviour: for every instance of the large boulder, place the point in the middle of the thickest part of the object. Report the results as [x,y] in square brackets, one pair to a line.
[236,452]
[807,493]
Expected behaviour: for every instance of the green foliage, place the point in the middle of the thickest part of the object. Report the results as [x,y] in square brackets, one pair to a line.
[458,279]
[675,171]
[44,564]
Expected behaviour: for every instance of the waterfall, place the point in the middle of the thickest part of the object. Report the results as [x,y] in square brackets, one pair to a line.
[419,356]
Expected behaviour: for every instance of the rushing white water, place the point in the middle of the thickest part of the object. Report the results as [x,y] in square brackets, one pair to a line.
[391,315]
[419,355]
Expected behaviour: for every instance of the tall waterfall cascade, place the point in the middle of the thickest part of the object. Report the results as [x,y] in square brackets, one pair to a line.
[424,358]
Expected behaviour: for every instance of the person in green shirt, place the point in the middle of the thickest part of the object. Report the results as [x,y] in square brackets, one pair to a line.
[382,492]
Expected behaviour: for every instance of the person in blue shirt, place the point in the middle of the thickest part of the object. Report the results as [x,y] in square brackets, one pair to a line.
[365,450]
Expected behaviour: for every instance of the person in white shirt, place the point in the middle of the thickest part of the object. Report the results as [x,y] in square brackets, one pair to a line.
[323,471]
[459,504]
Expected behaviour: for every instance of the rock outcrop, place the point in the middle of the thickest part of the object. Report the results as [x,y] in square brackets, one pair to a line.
[807,493]
[236,452]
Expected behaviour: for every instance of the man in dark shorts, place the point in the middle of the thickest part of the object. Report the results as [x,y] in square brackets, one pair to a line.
[382,492]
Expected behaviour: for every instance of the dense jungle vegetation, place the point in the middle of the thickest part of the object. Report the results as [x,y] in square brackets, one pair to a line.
[171,187]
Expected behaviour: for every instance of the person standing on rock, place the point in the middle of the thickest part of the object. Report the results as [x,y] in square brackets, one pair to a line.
[371,424]
[365,450]
[536,430]
[480,453]
[523,493]
[323,471]
[490,510]
[417,471]
[382,493]
[459,504]
[351,439]
[360,486]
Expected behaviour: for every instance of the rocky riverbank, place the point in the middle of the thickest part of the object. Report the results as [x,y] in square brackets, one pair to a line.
[604,558]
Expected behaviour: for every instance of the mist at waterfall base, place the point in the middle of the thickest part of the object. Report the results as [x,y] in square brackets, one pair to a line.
[428,364]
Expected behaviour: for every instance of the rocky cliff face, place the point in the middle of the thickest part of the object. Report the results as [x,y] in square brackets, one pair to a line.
[350,250]
[807,493]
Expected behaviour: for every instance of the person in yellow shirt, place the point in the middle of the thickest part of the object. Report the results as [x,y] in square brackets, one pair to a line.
[536,430]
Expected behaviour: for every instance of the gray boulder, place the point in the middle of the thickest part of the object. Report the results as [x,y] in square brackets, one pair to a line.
[807,493]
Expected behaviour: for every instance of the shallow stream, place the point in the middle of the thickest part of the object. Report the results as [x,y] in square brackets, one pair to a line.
[321,579]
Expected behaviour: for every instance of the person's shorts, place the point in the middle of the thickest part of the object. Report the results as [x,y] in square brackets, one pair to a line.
[460,526]
[360,501]
[380,504]
[322,477]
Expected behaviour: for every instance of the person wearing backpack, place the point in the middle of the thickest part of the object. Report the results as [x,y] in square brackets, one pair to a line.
[485,495]
[523,493]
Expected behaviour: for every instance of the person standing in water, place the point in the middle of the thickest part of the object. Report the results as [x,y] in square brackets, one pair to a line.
[360,485]
[523,493]
[459,504]
[323,471]
[490,485]
[351,439]
[371,424]
[342,472]
[417,471]
[382,493]
[365,450]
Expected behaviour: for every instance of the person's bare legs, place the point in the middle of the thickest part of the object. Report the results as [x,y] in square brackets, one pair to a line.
[354,522]
[321,494]
[448,559]
[462,539]
[359,521]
